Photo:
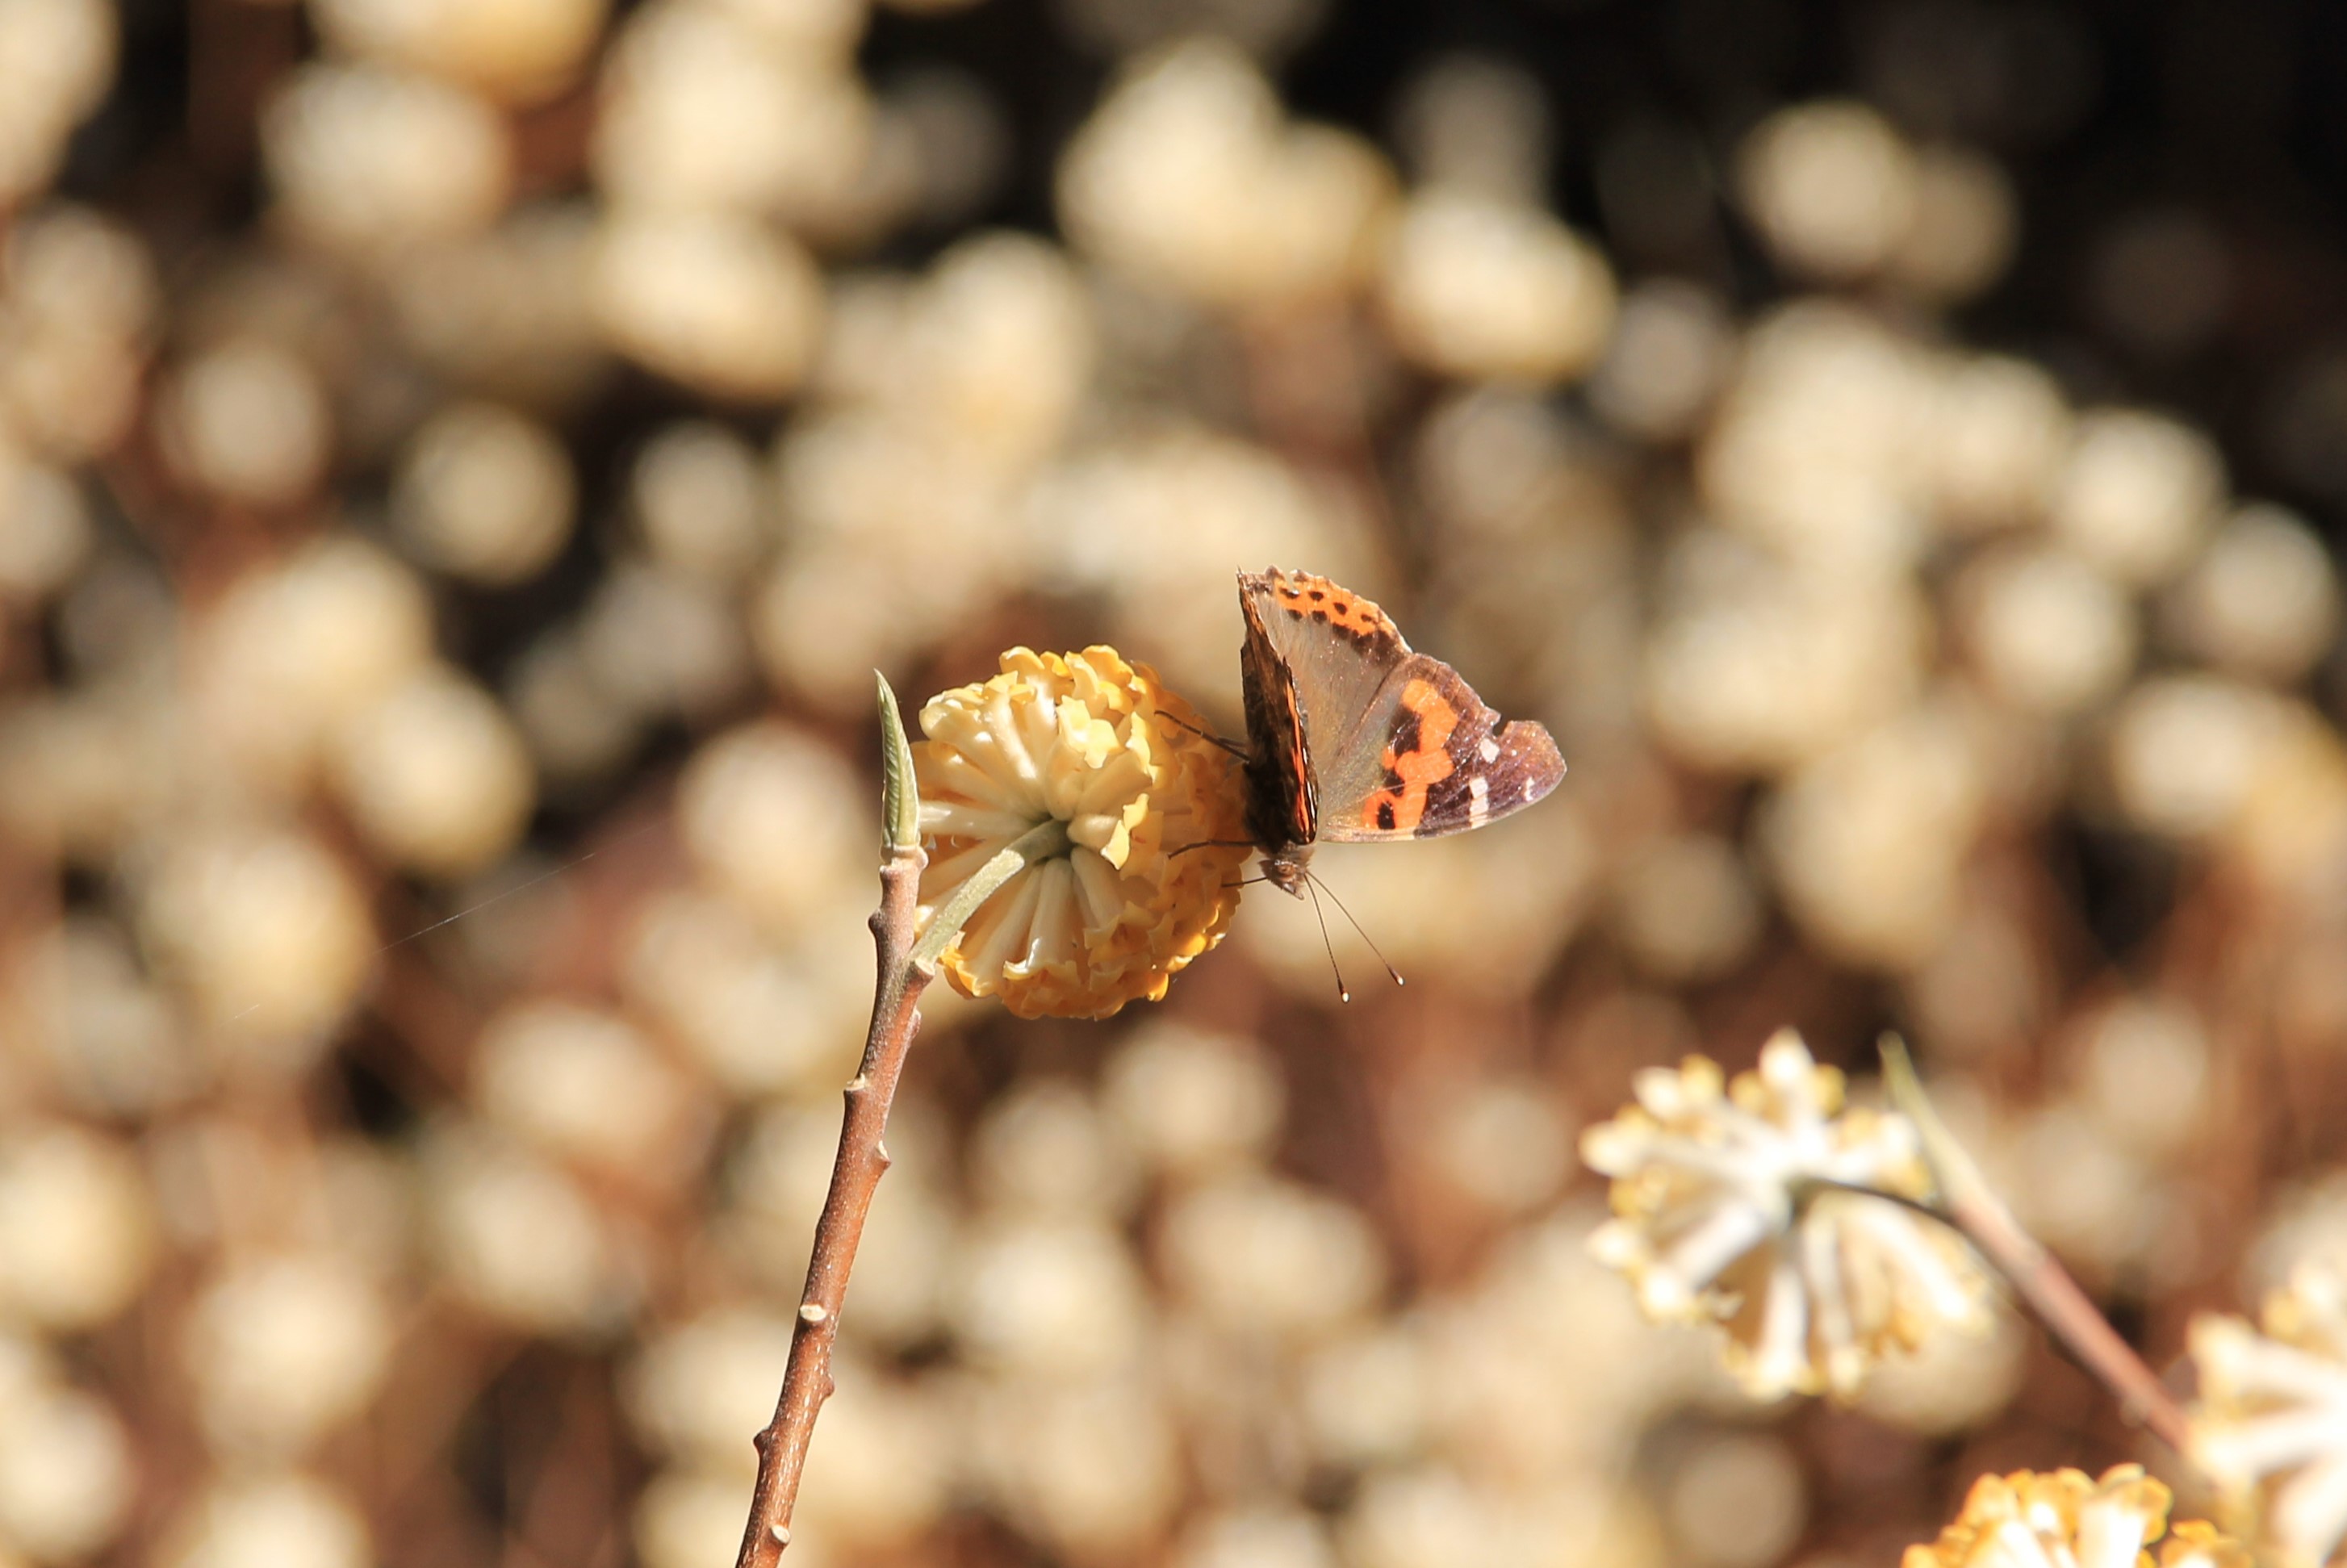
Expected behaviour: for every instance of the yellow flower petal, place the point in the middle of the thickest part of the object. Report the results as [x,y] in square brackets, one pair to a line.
[2031,1518]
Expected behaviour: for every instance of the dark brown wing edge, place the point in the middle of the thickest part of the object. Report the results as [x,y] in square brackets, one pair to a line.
[1281,789]
[1528,767]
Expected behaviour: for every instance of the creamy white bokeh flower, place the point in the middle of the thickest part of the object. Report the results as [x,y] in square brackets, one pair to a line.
[1732,1202]
[2271,1425]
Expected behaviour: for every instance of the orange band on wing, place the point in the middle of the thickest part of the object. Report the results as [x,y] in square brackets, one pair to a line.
[1400,810]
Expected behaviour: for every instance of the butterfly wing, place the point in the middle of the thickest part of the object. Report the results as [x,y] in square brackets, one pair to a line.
[1400,745]
[1281,788]
[1336,649]
[1446,762]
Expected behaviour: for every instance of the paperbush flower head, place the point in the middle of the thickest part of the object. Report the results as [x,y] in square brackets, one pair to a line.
[2060,1519]
[1098,745]
[2271,1425]
[1719,1215]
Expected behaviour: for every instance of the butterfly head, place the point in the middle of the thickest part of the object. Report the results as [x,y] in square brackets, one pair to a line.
[1285,867]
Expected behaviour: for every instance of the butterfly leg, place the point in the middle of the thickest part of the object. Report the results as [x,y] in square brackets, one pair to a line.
[1233,747]
[1213,843]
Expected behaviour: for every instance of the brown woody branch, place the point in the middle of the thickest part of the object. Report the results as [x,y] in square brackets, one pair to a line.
[854,1177]
[907,960]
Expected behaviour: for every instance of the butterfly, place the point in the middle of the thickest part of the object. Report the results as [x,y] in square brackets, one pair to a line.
[1353,737]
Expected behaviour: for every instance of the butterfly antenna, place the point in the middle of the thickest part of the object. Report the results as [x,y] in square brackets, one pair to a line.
[1342,994]
[1364,934]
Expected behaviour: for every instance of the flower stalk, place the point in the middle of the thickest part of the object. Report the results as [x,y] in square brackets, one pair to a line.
[1966,1203]
[906,963]
[1046,840]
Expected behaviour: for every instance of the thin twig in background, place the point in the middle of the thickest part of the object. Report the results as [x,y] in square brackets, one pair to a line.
[2072,1317]
[1968,1203]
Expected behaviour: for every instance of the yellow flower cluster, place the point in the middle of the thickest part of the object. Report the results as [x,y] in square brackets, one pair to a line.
[2061,1519]
[1734,1201]
[1153,816]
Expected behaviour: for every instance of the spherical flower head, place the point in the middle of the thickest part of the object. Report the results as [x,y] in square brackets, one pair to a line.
[2060,1519]
[1154,816]
[2271,1424]
[1730,1205]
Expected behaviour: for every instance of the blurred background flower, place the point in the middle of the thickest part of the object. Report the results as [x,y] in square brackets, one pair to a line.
[1729,1204]
[460,464]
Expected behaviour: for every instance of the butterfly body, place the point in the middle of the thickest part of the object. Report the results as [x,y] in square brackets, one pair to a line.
[1354,737]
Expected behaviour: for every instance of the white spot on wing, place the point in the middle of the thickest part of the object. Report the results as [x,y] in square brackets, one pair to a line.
[1478,799]
[1489,751]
